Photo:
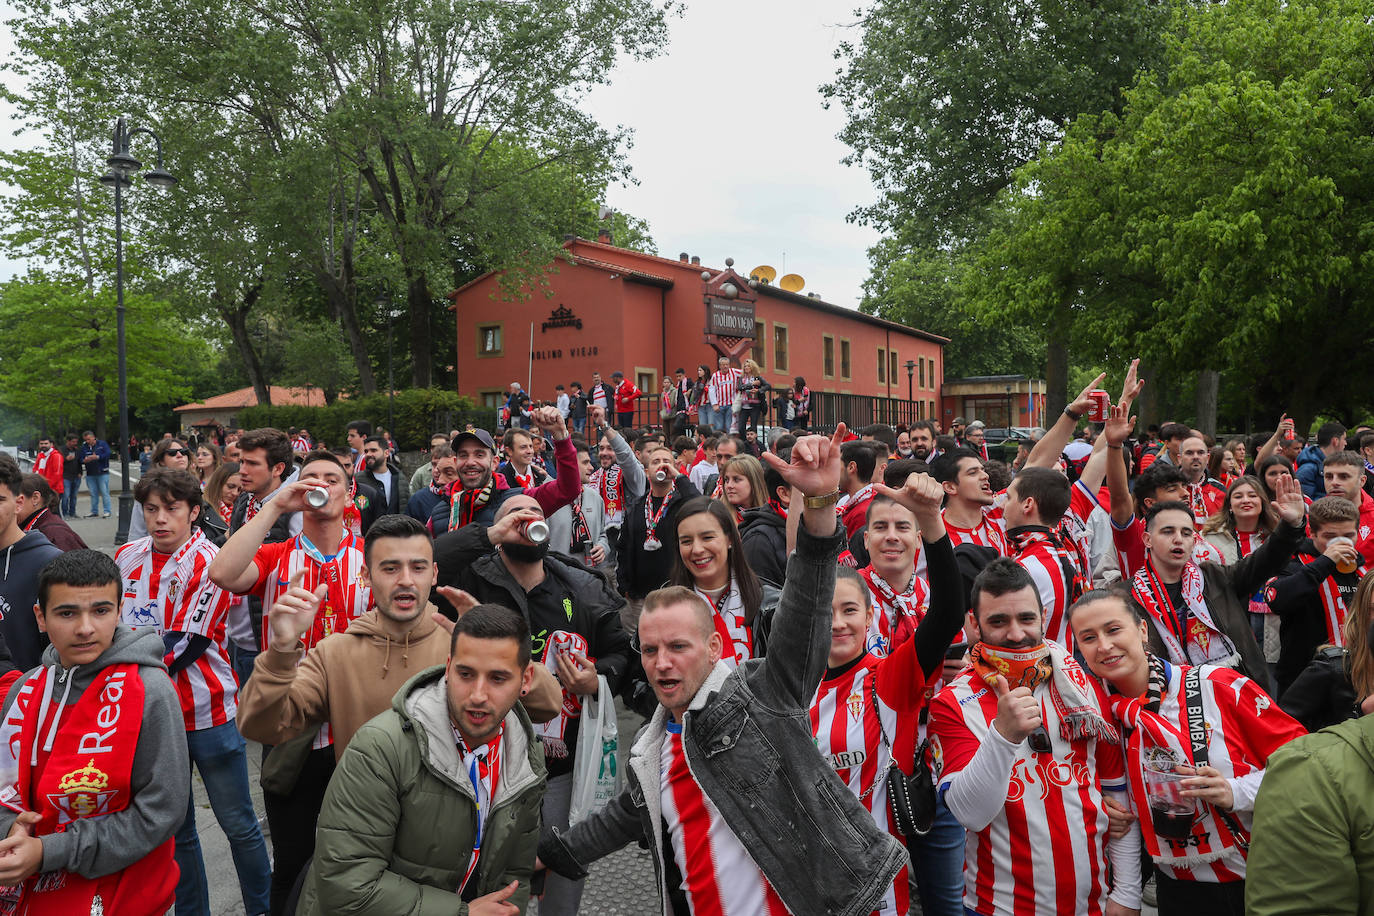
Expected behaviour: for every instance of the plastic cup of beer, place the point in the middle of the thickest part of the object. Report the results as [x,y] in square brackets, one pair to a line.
[1344,566]
[1171,812]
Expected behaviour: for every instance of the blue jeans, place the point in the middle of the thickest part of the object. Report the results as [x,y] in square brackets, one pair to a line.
[242,660]
[70,487]
[579,425]
[218,753]
[937,864]
[99,485]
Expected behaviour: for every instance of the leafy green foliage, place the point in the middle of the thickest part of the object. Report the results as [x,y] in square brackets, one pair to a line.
[419,412]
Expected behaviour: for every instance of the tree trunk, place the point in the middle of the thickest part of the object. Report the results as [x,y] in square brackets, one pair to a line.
[235,315]
[1208,385]
[421,356]
[99,407]
[344,307]
[1057,363]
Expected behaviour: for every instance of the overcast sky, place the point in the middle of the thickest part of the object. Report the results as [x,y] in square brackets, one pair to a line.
[734,154]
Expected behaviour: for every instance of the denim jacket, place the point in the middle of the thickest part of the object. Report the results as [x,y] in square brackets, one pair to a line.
[748,742]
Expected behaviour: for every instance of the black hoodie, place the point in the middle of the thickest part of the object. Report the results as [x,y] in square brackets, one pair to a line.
[1295,596]
[764,536]
[20,564]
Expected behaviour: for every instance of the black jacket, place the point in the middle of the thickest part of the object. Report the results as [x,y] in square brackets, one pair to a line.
[764,534]
[571,598]
[1295,595]
[640,571]
[395,504]
[1322,694]
[20,564]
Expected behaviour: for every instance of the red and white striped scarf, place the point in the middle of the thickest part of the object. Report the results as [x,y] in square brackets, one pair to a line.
[1204,641]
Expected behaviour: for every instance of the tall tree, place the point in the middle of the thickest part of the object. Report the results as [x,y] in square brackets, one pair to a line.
[946,99]
[1222,219]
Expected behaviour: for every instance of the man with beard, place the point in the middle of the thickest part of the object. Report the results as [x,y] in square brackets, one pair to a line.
[349,677]
[1033,844]
[1205,494]
[1345,476]
[923,440]
[382,474]
[574,619]
[480,491]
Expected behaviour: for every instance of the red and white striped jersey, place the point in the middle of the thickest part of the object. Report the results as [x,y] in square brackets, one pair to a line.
[720,390]
[172,593]
[1244,726]
[718,877]
[301,444]
[990,532]
[896,615]
[1046,851]
[1075,529]
[845,722]
[347,598]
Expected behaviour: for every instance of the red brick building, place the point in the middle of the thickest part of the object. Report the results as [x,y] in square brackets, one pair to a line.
[616,309]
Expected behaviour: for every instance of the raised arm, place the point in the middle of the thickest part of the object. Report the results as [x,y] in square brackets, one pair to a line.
[1051,445]
[800,637]
[233,569]
[560,491]
[1267,449]
[1116,432]
[635,480]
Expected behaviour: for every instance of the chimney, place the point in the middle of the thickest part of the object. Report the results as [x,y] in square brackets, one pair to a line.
[696,260]
[603,236]
[682,257]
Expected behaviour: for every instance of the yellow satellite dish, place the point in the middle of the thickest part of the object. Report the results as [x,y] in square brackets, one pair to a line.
[793,283]
[763,272]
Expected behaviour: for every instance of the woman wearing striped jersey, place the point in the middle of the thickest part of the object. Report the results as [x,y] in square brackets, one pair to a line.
[1199,835]
[710,560]
[866,709]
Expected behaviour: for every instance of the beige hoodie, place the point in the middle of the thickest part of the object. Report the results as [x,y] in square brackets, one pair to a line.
[350,677]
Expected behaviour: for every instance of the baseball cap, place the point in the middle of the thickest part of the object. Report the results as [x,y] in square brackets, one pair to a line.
[958,421]
[481,435]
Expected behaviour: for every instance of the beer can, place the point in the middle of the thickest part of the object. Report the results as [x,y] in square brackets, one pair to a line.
[660,476]
[1100,410]
[316,497]
[535,530]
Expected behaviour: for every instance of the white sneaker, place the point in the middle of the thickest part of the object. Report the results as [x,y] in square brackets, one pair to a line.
[105,515]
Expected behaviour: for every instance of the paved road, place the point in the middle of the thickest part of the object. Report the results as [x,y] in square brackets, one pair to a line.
[619,885]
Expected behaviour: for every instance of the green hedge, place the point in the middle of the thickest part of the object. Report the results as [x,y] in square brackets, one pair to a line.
[418,412]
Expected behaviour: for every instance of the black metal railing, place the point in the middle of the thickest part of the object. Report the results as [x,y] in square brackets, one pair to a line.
[827,409]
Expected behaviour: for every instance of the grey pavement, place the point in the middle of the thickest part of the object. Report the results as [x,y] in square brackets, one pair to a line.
[622,884]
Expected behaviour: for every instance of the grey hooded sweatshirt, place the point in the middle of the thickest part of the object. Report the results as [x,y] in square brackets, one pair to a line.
[20,564]
[161,777]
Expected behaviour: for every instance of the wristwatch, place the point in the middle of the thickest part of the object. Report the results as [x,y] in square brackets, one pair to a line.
[821,502]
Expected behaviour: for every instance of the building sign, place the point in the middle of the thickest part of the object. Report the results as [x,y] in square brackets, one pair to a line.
[560,353]
[729,318]
[561,317]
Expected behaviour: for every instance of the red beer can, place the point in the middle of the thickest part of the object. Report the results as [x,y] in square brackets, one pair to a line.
[1100,410]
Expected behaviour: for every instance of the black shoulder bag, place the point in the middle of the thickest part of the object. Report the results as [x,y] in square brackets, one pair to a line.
[910,798]
[1197,736]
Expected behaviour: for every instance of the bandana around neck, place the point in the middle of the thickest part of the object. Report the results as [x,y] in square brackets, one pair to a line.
[1080,718]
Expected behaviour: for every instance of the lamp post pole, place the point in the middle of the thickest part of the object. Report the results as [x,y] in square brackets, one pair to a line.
[910,393]
[122,165]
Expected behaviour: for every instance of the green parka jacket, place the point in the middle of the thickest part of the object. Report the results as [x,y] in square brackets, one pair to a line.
[1312,848]
[399,817]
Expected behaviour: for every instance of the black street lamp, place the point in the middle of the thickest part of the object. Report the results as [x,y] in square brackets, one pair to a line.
[122,167]
[910,370]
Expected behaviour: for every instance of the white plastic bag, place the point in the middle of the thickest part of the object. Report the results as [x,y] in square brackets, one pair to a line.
[596,771]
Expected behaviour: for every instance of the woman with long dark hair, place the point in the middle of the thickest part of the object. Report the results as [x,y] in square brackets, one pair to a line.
[710,560]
